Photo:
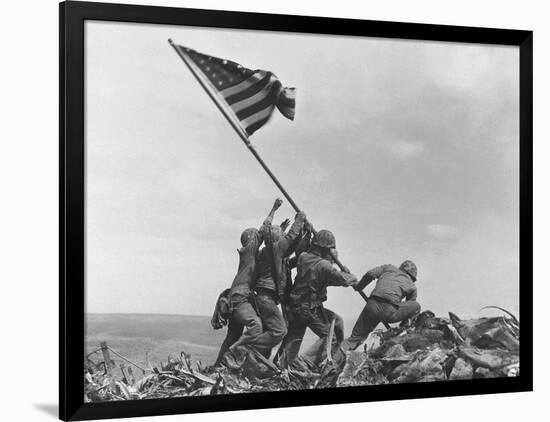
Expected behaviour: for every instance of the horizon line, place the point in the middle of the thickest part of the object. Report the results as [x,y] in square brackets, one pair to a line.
[144,313]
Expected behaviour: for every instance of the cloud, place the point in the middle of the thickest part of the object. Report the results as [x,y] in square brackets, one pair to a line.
[405,149]
[441,231]
[377,159]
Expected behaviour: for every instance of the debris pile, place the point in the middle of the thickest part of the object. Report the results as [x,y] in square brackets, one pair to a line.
[175,378]
[427,348]
[431,348]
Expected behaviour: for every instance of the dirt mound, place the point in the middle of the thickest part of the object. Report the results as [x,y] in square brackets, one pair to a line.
[428,348]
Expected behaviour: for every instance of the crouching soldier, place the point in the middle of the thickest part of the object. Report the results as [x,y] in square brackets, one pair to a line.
[386,300]
[239,300]
[272,282]
[315,272]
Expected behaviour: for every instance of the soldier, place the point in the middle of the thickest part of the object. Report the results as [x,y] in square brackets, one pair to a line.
[385,303]
[243,314]
[315,272]
[271,284]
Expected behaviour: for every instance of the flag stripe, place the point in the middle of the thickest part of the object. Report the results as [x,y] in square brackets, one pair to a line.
[246,97]
[241,105]
[255,126]
[247,92]
[266,112]
[268,100]
[259,75]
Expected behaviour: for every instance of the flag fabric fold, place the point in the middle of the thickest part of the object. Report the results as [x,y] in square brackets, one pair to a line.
[251,95]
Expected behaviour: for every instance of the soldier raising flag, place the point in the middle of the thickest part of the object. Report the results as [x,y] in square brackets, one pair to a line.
[247,99]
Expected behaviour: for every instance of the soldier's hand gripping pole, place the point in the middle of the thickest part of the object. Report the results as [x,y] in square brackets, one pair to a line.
[233,121]
[346,270]
[257,156]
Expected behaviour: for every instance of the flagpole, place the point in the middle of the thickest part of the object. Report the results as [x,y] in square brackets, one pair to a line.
[235,125]
[247,142]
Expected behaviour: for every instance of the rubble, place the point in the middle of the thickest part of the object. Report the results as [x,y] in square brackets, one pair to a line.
[431,348]
[428,348]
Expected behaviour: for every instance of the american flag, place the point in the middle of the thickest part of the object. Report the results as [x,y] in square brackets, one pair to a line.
[251,95]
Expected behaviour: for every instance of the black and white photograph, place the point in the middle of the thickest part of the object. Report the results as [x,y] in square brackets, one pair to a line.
[270,211]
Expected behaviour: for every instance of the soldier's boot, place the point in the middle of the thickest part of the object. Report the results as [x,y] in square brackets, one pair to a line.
[235,357]
[257,367]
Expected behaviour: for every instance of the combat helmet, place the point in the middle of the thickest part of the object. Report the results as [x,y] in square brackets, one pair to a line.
[324,239]
[247,234]
[410,268]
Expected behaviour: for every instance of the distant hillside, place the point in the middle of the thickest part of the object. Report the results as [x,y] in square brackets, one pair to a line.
[134,335]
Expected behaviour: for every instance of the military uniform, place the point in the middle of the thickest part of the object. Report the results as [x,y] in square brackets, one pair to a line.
[314,275]
[385,303]
[244,314]
[272,283]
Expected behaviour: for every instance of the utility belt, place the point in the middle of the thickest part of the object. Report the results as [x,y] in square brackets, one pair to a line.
[310,300]
[272,294]
[238,298]
[297,307]
[263,291]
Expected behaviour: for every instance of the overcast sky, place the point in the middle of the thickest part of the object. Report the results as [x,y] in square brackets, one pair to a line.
[404,149]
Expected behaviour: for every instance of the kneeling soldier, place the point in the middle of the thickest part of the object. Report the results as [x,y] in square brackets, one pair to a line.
[386,300]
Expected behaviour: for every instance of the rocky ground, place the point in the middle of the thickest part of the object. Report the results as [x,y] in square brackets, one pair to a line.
[428,348]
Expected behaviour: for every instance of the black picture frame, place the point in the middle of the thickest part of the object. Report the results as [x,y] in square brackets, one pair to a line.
[72,16]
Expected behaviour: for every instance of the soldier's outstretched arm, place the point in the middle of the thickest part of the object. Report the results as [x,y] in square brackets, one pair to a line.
[266,226]
[369,277]
[276,205]
[340,278]
[364,282]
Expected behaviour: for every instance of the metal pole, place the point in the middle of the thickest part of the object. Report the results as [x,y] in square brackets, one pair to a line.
[228,115]
[206,86]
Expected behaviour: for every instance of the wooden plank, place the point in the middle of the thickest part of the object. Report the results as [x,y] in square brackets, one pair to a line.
[106,357]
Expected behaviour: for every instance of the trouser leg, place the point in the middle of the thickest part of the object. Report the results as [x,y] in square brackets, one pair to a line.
[369,318]
[245,314]
[320,322]
[234,332]
[273,323]
[290,348]
[405,310]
